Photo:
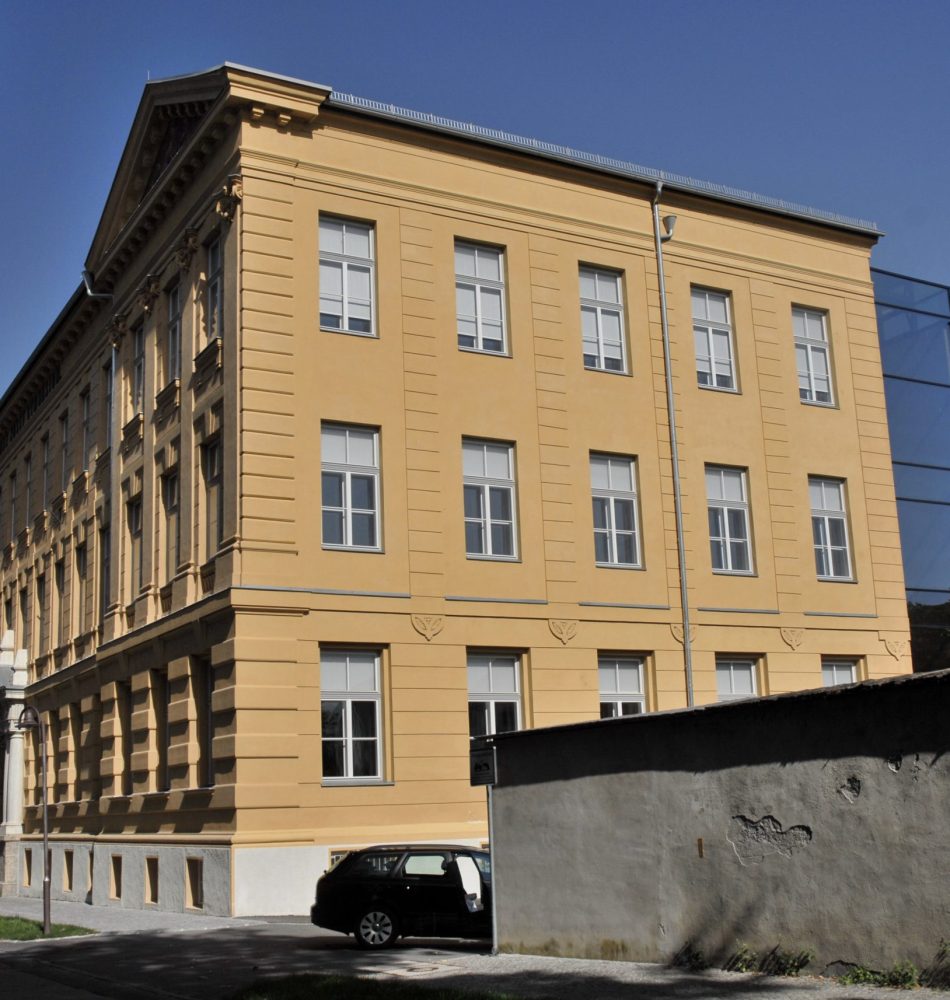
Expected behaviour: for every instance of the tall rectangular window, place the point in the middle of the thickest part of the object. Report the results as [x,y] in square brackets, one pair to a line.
[105,569]
[602,319]
[173,334]
[161,694]
[64,451]
[75,740]
[82,587]
[488,493]
[350,486]
[494,693]
[621,686]
[812,356]
[26,631]
[44,499]
[728,506]
[735,678]
[107,397]
[28,487]
[347,275]
[480,297]
[829,525]
[213,462]
[13,521]
[614,497]
[137,387]
[214,290]
[42,614]
[171,501]
[86,416]
[59,579]
[133,510]
[712,331]
[202,686]
[56,756]
[350,712]
[836,671]
[124,713]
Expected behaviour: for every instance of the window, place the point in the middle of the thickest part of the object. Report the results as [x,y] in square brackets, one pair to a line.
[214,290]
[346,275]
[75,749]
[82,588]
[489,499]
[161,699]
[350,486]
[829,528]
[44,499]
[86,430]
[13,521]
[212,461]
[480,297]
[107,379]
[171,502]
[173,334]
[613,489]
[602,320]
[621,686]
[350,710]
[712,331]
[123,708]
[735,679]
[134,518]
[59,581]
[835,672]
[202,688]
[728,506]
[28,477]
[64,451]
[811,355]
[138,369]
[105,570]
[42,613]
[494,699]
[25,623]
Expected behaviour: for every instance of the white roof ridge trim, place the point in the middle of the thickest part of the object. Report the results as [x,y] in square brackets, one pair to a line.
[722,192]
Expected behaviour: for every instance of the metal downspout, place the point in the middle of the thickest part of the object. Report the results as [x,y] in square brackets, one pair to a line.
[674,448]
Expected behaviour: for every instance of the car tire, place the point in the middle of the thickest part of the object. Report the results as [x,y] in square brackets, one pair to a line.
[376,927]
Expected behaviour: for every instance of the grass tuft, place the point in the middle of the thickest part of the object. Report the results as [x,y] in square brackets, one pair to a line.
[21,929]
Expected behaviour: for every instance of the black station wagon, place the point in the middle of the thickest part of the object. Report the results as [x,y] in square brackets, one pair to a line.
[381,893]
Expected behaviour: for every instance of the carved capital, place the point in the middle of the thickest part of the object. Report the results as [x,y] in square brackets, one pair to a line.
[231,195]
[428,626]
[118,327]
[792,637]
[677,631]
[186,250]
[563,629]
[147,295]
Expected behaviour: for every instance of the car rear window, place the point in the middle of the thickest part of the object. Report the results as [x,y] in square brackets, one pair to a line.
[484,863]
[374,865]
[425,864]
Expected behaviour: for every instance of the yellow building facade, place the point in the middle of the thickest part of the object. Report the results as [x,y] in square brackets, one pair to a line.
[355,439]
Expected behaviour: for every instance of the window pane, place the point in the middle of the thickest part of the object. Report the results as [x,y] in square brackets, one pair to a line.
[357,240]
[601,547]
[506,716]
[621,474]
[629,677]
[364,719]
[716,304]
[465,301]
[364,759]
[623,515]
[332,719]
[601,507]
[333,673]
[502,543]
[608,709]
[499,501]
[331,235]
[332,484]
[491,304]
[333,444]
[739,553]
[504,675]
[626,549]
[498,459]
[474,538]
[362,675]
[478,718]
[473,458]
[333,759]
[607,679]
[472,497]
[363,492]
[610,325]
[364,529]
[488,264]
[333,527]
[737,523]
[464,259]
[479,675]
[588,286]
[839,563]
[599,473]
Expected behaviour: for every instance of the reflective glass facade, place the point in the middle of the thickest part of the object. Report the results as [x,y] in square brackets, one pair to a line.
[914,326]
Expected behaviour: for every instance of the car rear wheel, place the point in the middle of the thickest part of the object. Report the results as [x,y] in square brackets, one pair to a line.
[376,928]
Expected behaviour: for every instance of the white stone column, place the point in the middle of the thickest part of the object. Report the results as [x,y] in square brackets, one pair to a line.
[13,673]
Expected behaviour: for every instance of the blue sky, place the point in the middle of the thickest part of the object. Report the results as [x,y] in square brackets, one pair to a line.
[837,104]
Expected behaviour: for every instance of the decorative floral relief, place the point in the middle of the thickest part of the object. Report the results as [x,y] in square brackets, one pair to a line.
[896,647]
[563,629]
[428,626]
[792,637]
[677,631]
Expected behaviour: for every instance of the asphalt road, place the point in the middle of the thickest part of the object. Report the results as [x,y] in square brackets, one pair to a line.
[211,958]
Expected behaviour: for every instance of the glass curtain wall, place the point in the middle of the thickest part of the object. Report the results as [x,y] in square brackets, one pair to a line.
[913,320]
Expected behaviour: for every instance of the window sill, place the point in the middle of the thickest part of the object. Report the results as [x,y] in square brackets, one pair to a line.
[482,350]
[837,579]
[479,557]
[607,371]
[718,388]
[372,335]
[819,403]
[608,565]
[356,783]
[735,572]
[354,548]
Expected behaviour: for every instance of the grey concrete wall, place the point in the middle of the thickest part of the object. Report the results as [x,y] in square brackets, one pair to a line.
[817,821]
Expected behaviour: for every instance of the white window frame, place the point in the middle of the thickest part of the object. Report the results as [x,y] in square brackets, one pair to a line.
[806,350]
[492,698]
[487,487]
[822,517]
[614,496]
[481,285]
[725,541]
[346,261]
[346,471]
[726,667]
[838,670]
[614,697]
[137,387]
[86,416]
[597,307]
[134,515]
[173,333]
[212,470]
[707,328]
[214,290]
[349,696]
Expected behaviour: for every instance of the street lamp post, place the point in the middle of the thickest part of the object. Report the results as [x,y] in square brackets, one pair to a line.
[31,719]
